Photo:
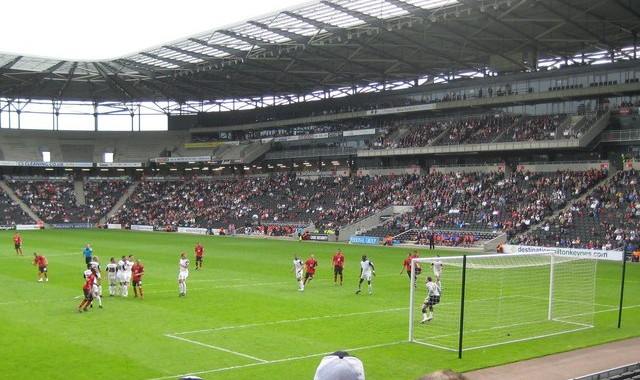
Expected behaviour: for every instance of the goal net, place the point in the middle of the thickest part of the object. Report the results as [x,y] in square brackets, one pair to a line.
[488,300]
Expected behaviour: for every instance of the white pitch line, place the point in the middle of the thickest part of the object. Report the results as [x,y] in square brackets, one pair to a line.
[217,348]
[276,361]
[521,324]
[288,321]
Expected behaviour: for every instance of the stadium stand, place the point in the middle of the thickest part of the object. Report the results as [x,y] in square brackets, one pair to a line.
[11,213]
[53,200]
[607,218]
[101,195]
[242,201]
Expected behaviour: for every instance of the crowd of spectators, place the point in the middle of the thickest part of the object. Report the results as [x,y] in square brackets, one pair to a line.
[477,130]
[456,131]
[275,205]
[535,128]
[241,201]
[11,213]
[608,218]
[490,201]
[54,201]
[102,195]
[421,135]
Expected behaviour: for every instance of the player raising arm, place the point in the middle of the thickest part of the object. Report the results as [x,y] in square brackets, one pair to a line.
[298,268]
[367,270]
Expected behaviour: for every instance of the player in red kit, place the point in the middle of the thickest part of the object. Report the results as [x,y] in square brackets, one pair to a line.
[87,290]
[41,262]
[199,255]
[406,266]
[17,243]
[137,270]
[338,265]
[311,265]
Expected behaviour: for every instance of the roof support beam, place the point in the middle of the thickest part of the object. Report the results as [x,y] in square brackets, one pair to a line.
[113,83]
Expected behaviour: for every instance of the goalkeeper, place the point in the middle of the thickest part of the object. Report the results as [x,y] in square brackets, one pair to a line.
[433,298]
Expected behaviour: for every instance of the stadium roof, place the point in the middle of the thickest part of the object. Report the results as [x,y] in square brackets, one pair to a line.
[343,44]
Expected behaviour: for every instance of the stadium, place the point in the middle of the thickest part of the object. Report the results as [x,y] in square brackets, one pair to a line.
[498,138]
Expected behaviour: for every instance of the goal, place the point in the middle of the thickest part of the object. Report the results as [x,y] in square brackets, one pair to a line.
[489,300]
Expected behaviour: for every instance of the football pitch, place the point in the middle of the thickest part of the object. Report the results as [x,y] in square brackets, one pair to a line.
[243,316]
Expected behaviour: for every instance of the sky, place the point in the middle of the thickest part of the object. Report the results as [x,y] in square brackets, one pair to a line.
[94,30]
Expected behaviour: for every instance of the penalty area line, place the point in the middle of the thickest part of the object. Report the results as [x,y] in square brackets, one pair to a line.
[275,361]
[217,348]
[289,321]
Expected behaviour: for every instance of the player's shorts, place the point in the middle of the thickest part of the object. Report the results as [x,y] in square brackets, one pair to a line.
[367,276]
[113,279]
[119,277]
[18,246]
[183,275]
[437,273]
[87,294]
[432,300]
[418,270]
[299,273]
[337,269]
[95,290]
[137,282]
[43,269]
[309,275]
[87,259]
[126,277]
[199,259]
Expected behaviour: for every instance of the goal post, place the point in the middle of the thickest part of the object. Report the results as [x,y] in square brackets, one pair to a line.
[502,298]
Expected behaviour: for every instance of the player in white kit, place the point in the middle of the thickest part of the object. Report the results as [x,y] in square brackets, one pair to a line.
[126,275]
[367,270]
[95,264]
[183,273]
[120,274]
[433,298]
[112,269]
[298,267]
[437,267]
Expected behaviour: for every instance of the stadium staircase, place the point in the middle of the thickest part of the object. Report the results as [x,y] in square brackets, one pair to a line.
[608,178]
[78,188]
[372,221]
[20,203]
[120,202]
[255,151]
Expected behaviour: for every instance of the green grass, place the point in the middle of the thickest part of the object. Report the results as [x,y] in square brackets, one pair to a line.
[251,320]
